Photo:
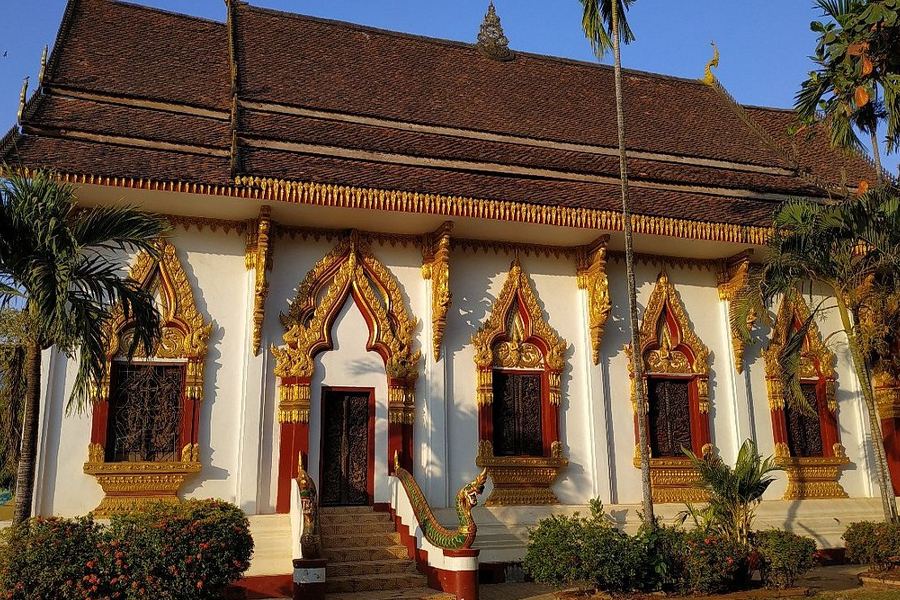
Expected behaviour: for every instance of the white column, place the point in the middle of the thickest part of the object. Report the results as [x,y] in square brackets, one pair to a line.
[596,397]
[736,386]
[432,447]
[250,418]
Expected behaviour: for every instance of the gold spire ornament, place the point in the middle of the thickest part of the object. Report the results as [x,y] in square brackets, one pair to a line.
[708,77]
[491,40]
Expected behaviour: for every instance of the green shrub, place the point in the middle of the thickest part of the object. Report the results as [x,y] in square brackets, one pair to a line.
[591,550]
[555,547]
[63,559]
[190,550]
[877,544]
[784,556]
[714,564]
[187,551]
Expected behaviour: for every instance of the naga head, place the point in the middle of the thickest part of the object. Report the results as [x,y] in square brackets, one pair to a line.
[469,492]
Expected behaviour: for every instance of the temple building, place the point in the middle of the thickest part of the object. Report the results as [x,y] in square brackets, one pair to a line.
[386,245]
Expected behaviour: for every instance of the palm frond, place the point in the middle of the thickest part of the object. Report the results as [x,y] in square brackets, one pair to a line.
[596,21]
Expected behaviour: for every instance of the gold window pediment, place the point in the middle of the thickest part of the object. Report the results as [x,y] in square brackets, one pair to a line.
[670,349]
[184,340]
[516,337]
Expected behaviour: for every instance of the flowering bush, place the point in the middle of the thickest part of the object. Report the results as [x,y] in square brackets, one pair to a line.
[877,544]
[714,564]
[188,551]
[784,556]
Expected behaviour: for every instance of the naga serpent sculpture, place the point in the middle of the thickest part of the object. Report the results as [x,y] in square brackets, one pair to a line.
[466,499]
[310,538]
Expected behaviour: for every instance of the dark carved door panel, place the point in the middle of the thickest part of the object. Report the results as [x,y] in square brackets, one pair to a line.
[669,415]
[517,414]
[345,448]
[804,432]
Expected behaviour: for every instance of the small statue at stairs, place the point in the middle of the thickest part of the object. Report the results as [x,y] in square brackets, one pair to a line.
[466,499]
[307,540]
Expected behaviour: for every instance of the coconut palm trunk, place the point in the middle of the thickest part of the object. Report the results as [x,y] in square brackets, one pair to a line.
[28,456]
[883,473]
[876,154]
[637,363]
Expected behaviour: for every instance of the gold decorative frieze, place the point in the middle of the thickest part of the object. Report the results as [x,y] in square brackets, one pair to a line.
[521,480]
[591,276]
[436,268]
[350,269]
[887,396]
[732,276]
[258,257]
[814,477]
[673,480]
[129,484]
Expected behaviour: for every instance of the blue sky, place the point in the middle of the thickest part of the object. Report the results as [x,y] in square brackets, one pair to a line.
[764,44]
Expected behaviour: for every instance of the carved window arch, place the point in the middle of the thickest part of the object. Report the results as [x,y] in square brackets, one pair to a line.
[144,439]
[349,270]
[676,380]
[806,446]
[519,356]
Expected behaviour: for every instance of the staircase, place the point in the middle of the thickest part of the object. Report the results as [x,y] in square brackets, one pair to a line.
[365,555]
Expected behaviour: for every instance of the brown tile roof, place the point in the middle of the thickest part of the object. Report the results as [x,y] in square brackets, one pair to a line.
[135,51]
[138,92]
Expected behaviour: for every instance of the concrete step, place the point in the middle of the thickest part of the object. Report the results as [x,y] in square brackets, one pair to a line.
[370,567]
[361,517]
[381,582]
[364,527]
[360,539]
[342,555]
[420,593]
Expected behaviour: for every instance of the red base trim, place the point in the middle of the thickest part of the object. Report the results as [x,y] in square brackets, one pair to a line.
[257,588]
[462,584]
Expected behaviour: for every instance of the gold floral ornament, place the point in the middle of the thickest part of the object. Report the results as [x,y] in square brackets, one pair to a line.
[436,268]
[516,336]
[592,277]
[671,349]
[184,339]
[258,257]
[732,276]
[349,269]
[808,476]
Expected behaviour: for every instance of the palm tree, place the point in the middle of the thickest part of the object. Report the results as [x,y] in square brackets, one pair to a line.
[855,85]
[853,250]
[735,492]
[605,26]
[58,264]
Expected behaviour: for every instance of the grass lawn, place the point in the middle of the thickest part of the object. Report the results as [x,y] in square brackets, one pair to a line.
[862,593]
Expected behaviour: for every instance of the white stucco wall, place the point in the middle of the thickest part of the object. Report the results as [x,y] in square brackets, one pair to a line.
[239,433]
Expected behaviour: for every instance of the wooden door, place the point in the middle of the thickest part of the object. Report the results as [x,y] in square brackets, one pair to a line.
[517,414]
[669,414]
[347,444]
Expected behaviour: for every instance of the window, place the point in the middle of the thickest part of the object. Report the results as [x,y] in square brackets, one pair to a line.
[669,415]
[804,432]
[517,414]
[145,413]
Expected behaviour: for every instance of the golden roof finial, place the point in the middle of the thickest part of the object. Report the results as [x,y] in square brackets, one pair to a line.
[43,66]
[709,78]
[491,40]
[22,98]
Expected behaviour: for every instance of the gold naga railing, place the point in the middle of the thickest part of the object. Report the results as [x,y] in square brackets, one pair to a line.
[305,510]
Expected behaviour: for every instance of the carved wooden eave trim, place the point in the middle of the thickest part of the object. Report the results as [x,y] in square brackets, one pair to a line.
[816,360]
[258,257]
[309,193]
[591,276]
[349,269]
[732,275]
[436,268]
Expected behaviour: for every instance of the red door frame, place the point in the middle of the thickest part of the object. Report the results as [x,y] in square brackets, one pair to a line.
[370,474]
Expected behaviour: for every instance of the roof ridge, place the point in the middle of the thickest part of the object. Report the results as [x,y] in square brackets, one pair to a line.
[461,44]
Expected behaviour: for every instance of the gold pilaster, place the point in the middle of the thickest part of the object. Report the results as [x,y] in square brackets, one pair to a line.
[591,276]
[436,268]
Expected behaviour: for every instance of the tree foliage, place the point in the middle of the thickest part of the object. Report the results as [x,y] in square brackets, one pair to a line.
[734,492]
[857,81]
